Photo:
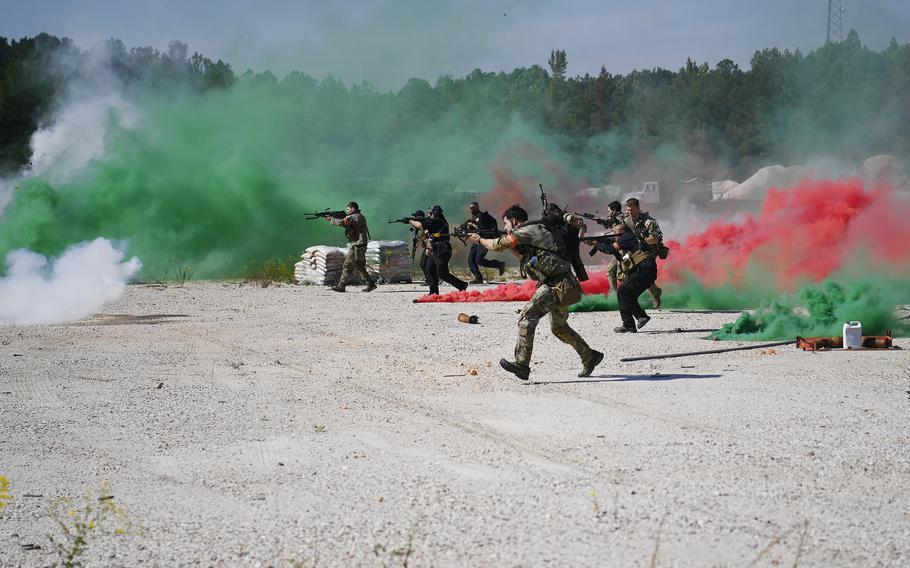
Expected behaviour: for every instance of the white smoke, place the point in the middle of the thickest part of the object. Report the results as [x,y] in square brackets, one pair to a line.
[77,135]
[81,281]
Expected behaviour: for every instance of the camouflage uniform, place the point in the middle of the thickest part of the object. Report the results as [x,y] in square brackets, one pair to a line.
[613,219]
[421,250]
[643,227]
[557,290]
[358,235]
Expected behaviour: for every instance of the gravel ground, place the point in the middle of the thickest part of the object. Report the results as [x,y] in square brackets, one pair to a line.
[246,426]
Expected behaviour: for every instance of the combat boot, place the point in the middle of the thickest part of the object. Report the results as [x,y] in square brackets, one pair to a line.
[624,329]
[520,371]
[370,287]
[337,288]
[655,297]
[593,361]
[643,321]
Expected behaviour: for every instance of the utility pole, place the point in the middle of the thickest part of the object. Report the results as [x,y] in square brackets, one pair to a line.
[835,21]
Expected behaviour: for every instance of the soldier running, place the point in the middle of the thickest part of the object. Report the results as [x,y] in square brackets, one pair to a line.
[358,235]
[557,289]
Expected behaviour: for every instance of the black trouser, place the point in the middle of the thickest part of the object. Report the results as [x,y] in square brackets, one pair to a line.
[423,265]
[628,293]
[477,256]
[438,269]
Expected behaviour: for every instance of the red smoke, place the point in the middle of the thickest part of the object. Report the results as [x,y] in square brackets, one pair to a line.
[802,234]
[512,188]
[598,283]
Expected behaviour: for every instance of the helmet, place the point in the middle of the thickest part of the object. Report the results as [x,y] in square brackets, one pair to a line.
[418,213]
[436,210]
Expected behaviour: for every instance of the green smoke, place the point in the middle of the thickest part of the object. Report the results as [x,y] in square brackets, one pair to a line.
[821,310]
[816,310]
[218,180]
[689,294]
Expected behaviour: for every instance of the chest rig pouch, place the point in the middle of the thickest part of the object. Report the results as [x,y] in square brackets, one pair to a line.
[545,265]
[631,260]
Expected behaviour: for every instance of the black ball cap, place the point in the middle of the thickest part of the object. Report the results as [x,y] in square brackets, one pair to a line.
[418,213]
[436,209]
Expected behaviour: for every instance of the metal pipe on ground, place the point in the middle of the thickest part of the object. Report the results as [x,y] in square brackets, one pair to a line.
[706,352]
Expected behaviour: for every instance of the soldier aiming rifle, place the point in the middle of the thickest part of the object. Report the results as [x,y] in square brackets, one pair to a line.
[440,249]
[358,235]
[418,240]
[482,223]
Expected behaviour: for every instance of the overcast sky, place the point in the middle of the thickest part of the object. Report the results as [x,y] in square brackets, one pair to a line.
[386,42]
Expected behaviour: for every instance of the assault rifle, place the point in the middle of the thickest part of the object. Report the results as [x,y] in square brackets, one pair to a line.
[602,243]
[543,197]
[405,220]
[604,221]
[460,232]
[320,214]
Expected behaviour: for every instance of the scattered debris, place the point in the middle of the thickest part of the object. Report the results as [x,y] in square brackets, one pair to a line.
[868,342]
[465,318]
[769,352]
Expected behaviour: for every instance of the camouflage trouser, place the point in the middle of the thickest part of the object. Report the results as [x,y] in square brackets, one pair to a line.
[612,270]
[355,259]
[553,299]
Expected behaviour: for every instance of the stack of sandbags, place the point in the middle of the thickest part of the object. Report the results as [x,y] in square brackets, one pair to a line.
[389,260]
[320,265]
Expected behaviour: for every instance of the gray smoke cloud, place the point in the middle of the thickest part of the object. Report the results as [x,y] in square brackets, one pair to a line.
[38,290]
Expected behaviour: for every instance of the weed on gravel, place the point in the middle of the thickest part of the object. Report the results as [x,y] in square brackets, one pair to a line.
[81,520]
[399,556]
[5,497]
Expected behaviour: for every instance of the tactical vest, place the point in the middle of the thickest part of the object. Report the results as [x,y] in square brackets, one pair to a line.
[541,257]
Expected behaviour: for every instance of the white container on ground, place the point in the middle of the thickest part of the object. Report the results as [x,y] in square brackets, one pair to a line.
[853,335]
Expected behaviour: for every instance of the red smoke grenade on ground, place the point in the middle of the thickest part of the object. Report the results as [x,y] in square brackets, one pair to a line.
[598,283]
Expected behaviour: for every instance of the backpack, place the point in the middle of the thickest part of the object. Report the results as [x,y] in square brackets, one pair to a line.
[567,243]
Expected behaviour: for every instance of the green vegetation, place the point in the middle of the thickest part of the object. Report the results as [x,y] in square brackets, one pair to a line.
[271,270]
[80,520]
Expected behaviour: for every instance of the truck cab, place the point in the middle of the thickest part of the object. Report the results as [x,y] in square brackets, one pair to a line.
[648,194]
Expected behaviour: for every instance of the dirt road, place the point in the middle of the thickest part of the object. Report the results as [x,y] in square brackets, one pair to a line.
[248,426]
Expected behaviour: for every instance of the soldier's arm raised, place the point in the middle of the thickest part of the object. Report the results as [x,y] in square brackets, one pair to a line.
[498,244]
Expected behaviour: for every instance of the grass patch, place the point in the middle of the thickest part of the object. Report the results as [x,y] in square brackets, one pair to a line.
[271,270]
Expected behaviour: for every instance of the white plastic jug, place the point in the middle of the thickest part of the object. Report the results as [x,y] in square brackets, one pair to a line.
[853,335]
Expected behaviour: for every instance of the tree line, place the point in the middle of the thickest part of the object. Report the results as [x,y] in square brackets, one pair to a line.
[841,99]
